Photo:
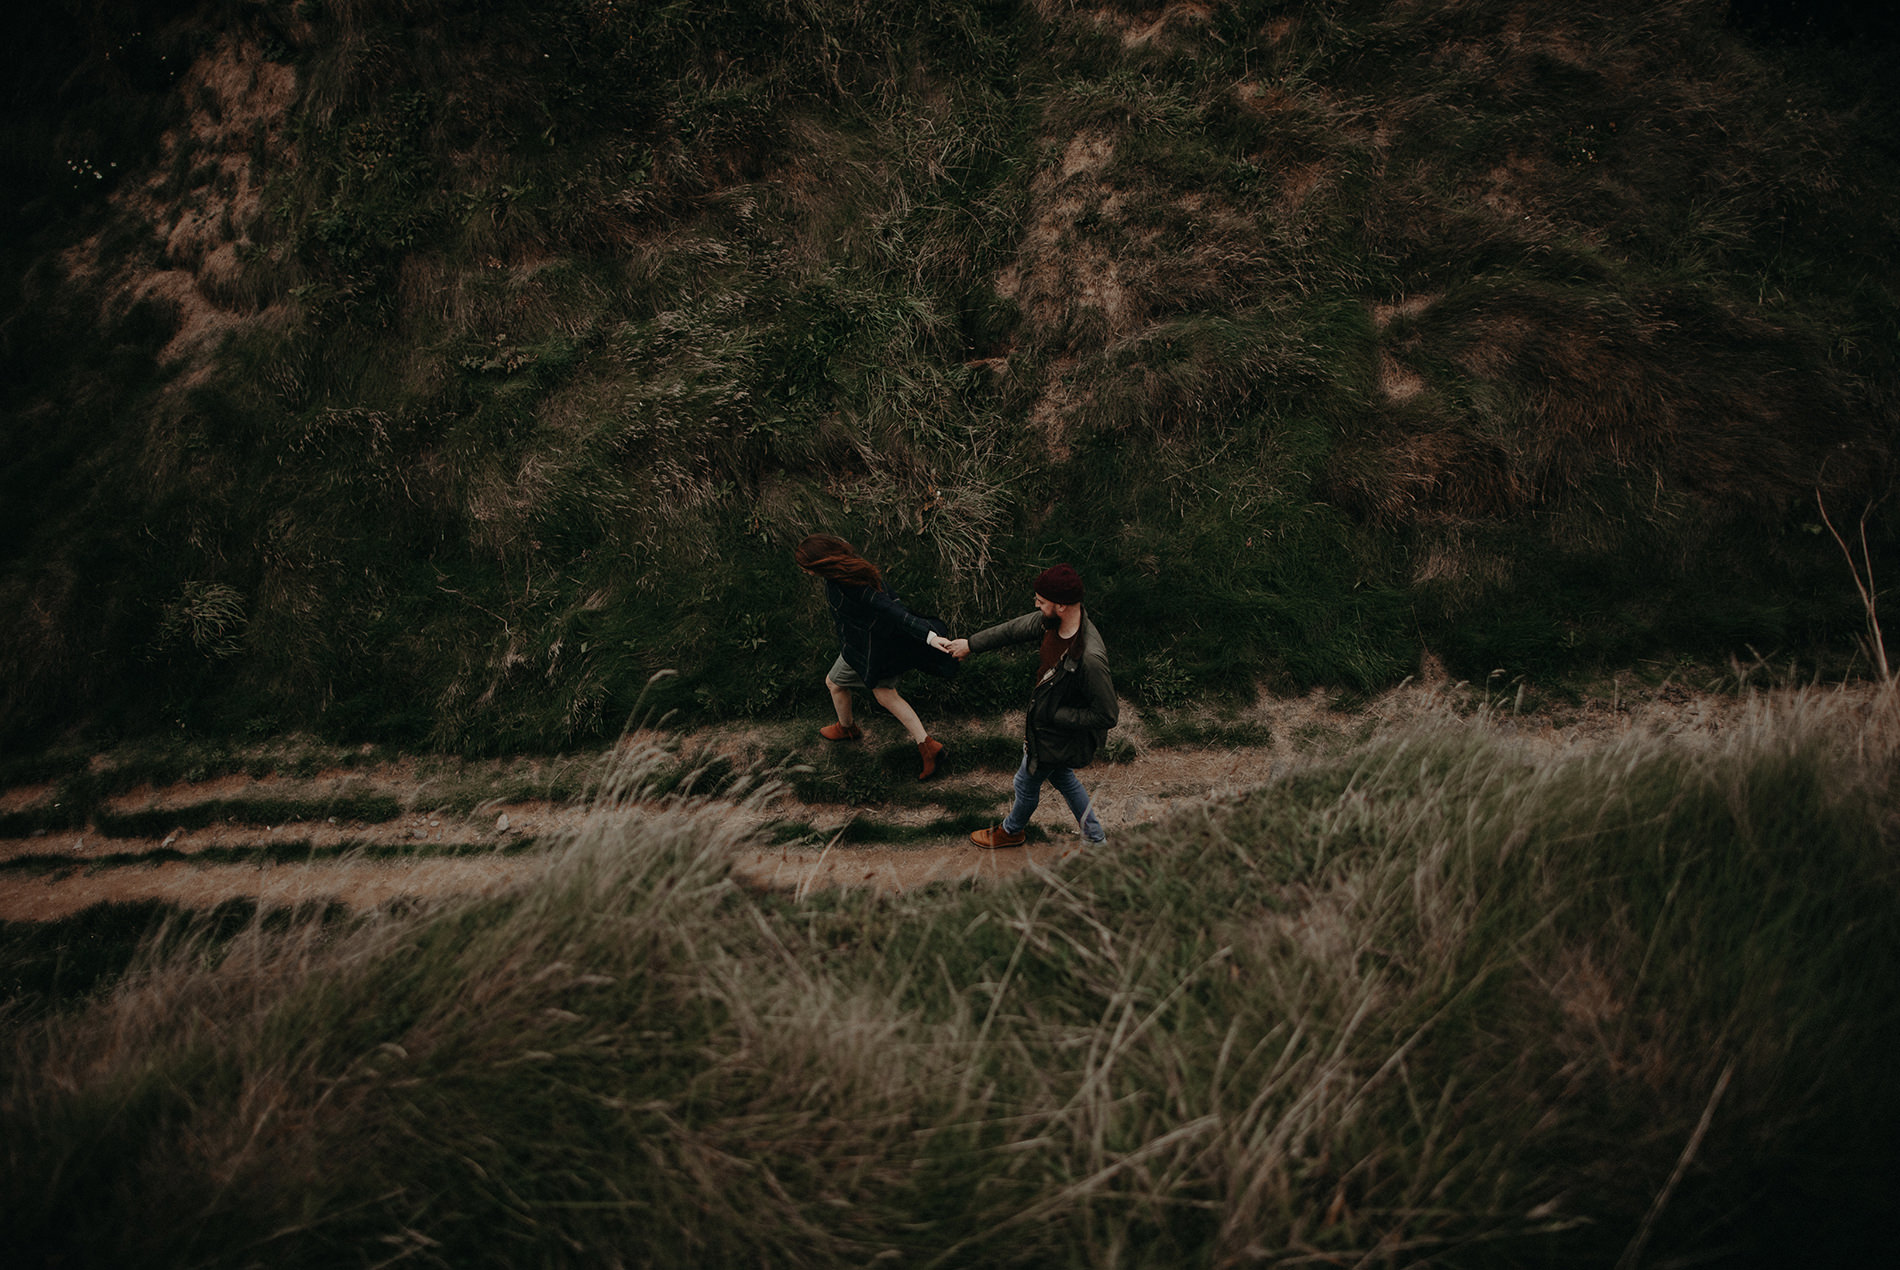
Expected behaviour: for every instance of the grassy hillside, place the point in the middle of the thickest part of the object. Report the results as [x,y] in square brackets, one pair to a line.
[436,372]
[1439,1000]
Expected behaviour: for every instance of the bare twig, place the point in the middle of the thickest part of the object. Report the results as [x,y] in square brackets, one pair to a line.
[1863,573]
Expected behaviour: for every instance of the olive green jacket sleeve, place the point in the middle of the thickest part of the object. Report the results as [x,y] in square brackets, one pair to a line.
[1018,630]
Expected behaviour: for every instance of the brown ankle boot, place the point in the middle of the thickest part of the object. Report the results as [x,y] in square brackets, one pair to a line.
[840,732]
[931,751]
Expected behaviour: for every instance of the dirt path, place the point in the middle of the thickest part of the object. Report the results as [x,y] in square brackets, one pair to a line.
[394,833]
[55,873]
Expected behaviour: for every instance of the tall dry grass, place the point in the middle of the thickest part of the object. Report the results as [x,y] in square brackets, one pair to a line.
[1446,999]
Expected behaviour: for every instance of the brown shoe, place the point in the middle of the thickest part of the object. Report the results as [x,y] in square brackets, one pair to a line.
[998,837]
[840,732]
[931,751]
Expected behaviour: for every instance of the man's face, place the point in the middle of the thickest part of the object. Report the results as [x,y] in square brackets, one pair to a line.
[1052,613]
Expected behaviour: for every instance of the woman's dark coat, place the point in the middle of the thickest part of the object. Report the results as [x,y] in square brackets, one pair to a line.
[880,638]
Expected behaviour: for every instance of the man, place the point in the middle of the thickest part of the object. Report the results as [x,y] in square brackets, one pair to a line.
[1071,708]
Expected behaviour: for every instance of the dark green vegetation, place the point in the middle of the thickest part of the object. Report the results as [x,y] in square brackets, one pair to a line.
[47,966]
[436,372]
[1432,1001]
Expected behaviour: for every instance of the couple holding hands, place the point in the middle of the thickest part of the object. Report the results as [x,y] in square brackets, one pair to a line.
[1071,704]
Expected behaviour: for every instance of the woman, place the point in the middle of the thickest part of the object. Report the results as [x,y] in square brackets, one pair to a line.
[879,639]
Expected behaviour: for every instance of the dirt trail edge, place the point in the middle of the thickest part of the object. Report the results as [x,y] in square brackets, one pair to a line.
[266,838]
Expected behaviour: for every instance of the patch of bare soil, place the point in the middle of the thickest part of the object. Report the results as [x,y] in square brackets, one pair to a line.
[359,884]
[332,784]
[24,797]
[429,829]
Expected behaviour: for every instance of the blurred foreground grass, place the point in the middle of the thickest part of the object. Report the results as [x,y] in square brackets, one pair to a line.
[1438,1000]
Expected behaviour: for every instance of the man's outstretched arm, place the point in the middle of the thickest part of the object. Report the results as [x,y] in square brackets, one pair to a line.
[1018,630]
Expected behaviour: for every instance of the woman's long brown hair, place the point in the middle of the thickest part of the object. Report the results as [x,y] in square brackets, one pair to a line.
[834,558]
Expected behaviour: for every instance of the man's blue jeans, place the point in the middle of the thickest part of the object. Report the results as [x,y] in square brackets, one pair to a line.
[1029,794]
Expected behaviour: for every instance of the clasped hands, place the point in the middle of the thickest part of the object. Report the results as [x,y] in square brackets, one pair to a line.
[957,648]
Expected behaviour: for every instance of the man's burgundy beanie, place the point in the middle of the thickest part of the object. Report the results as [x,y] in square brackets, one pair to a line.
[1060,584]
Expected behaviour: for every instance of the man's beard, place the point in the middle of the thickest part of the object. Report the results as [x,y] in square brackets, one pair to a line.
[1049,623]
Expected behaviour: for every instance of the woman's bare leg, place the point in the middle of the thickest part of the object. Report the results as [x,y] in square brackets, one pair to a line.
[840,701]
[901,711]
